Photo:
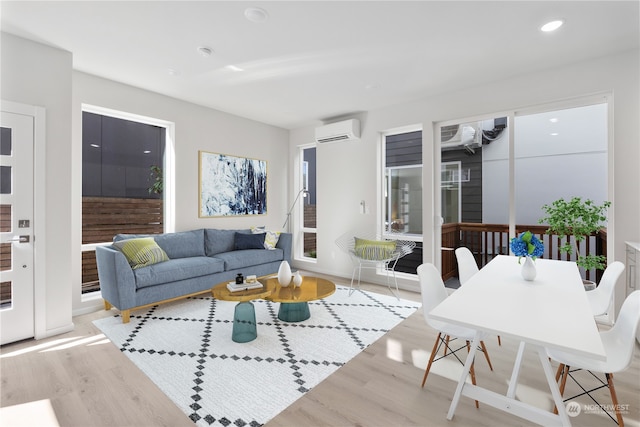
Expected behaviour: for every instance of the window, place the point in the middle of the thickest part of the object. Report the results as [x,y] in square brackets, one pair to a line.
[403,193]
[308,172]
[123,182]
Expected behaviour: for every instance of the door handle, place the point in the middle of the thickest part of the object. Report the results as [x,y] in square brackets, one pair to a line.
[20,239]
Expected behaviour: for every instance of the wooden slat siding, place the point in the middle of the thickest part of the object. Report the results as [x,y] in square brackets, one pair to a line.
[5,256]
[104,217]
[5,218]
[5,293]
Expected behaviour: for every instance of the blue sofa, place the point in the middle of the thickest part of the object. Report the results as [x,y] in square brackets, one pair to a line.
[198,260]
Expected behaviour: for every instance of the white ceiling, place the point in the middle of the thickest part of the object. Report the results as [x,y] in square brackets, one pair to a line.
[315,61]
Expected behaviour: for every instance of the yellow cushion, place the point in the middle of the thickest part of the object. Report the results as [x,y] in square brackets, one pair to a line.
[374,250]
[141,252]
[270,239]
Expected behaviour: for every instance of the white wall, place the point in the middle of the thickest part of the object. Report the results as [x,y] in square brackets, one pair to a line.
[38,75]
[349,172]
[574,162]
[196,128]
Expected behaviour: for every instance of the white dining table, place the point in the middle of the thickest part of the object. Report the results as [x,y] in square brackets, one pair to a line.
[552,311]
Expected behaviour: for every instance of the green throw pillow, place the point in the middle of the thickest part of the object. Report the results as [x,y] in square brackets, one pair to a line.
[141,252]
[374,250]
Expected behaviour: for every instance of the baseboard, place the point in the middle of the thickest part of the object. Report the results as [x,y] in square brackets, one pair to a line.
[57,331]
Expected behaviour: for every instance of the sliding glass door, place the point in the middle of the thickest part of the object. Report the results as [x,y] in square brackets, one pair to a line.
[499,172]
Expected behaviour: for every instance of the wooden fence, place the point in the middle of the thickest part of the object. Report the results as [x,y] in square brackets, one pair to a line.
[104,217]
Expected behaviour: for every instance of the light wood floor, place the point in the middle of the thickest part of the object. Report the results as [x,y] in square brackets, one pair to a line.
[88,382]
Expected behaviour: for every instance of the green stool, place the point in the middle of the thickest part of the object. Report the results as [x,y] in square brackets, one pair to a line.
[244,322]
[294,311]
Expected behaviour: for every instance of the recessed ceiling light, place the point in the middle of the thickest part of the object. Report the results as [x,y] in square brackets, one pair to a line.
[95,145]
[551,26]
[173,72]
[256,14]
[205,51]
[553,120]
[555,134]
[146,151]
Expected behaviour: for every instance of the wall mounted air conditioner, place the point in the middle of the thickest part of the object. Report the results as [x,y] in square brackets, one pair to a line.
[461,137]
[345,130]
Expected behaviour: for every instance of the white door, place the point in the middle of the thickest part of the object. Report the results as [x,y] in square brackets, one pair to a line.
[16,225]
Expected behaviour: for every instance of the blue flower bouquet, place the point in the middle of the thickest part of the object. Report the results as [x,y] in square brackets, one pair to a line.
[527,245]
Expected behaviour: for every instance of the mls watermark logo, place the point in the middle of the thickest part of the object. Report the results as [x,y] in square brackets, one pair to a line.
[573,409]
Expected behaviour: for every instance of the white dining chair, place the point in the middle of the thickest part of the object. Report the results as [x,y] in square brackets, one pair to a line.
[600,298]
[467,267]
[433,293]
[619,344]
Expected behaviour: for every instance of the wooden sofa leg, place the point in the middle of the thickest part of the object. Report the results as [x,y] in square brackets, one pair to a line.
[107,305]
[125,316]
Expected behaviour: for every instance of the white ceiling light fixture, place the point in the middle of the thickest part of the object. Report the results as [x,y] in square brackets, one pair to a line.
[256,14]
[205,51]
[551,26]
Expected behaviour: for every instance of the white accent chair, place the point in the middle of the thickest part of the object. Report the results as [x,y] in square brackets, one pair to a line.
[600,298]
[619,344]
[467,267]
[433,293]
[375,255]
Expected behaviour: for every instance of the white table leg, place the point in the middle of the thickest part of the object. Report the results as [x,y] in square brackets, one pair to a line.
[513,384]
[553,386]
[463,378]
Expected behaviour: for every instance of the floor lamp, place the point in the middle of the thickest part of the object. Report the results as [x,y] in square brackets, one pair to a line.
[287,222]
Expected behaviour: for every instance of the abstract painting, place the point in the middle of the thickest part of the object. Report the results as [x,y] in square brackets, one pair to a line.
[232,185]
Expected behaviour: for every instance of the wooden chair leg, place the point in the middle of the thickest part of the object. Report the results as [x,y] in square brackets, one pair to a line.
[446,344]
[499,341]
[614,399]
[472,371]
[486,354]
[433,354]
[107,305]
[559,371]
[564,369]
[125,315]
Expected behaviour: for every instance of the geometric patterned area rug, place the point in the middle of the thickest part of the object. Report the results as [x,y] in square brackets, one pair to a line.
[185,348]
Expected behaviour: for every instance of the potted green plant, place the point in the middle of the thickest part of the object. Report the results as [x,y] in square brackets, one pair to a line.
[158,183]
[579,219]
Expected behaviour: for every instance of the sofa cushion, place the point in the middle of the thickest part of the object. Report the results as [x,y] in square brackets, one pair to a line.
[141,252]
[182,244]
[248,241]
[234,260]
[374,250]
[270,237]
[177,269]
[218,241]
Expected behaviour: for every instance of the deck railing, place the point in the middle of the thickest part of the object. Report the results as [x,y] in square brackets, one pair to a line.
[488,240]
